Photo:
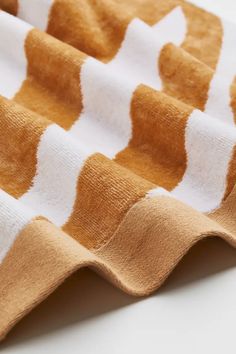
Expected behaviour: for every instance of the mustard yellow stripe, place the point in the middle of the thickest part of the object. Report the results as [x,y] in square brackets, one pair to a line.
[156,151]
[47,90]
[19,138]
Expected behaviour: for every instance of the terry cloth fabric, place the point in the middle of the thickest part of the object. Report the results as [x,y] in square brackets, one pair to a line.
[117,144]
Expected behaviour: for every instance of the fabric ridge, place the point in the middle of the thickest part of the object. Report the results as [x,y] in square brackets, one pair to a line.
[117,145]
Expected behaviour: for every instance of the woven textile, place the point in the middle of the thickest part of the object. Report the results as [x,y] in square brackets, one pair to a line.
[117,144]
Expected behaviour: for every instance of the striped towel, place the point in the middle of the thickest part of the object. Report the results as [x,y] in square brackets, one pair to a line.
[117,144]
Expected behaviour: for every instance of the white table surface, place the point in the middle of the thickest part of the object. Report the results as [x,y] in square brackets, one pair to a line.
[194,312]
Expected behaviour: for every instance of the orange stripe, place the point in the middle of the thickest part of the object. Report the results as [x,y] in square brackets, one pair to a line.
[10,6]
[204,35]
[19,138]
[233,98]
[105,193]
[184,77]
[47,90]
[156,151]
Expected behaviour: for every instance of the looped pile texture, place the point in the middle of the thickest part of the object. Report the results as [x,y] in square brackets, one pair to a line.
[117,144]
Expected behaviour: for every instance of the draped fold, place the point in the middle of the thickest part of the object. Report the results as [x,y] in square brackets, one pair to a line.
[117,144]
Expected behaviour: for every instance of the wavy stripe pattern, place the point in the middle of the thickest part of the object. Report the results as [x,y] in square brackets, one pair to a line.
[117,144]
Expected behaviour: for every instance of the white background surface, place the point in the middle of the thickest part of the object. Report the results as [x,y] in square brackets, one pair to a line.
[194,312]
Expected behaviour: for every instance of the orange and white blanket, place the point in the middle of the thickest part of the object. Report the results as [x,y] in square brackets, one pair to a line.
[117,144]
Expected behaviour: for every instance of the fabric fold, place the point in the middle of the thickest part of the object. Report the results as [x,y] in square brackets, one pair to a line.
[138,258]
[117,144]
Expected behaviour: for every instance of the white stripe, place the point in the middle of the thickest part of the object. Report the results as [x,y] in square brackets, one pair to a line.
[107,89]
[218,103]
[35,12]
[13,62]
[159,191]
[209,145]
[13,218]
[59,162]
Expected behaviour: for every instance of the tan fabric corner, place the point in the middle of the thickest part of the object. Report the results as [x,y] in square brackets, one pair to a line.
[52,256]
